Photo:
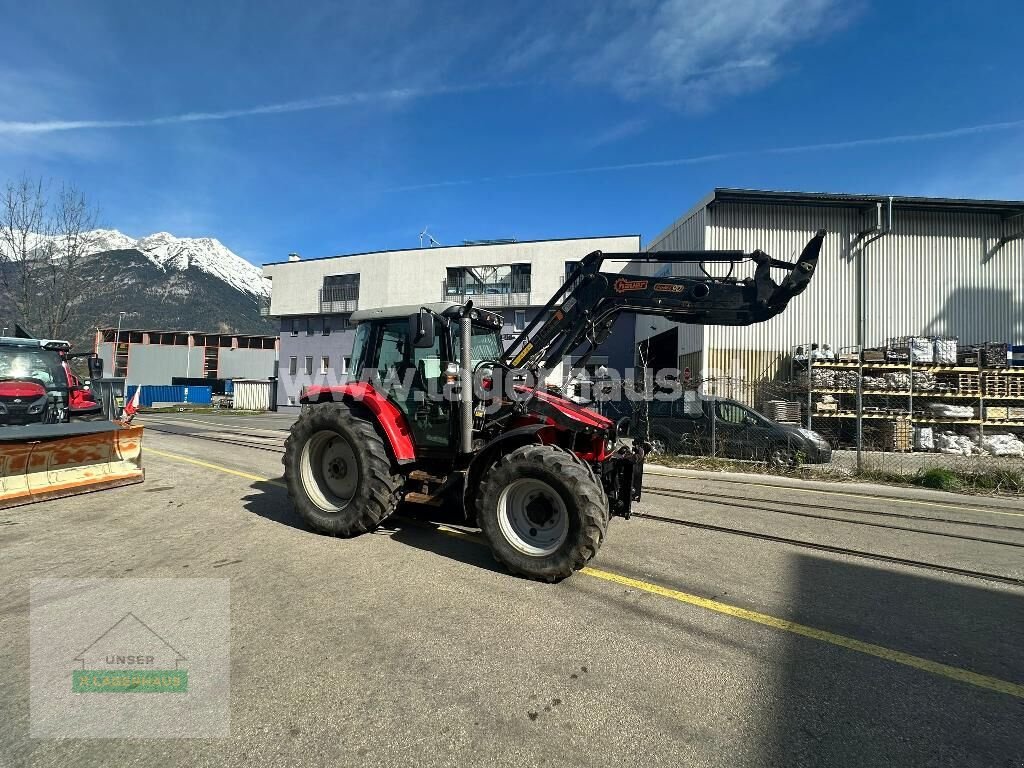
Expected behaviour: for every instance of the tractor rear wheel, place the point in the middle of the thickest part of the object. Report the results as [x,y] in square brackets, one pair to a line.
[338,471]
[544,513]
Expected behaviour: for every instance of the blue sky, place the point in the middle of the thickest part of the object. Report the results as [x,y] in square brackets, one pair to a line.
[329,127]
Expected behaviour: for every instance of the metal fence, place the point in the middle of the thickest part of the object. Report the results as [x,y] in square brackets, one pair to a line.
[823,421]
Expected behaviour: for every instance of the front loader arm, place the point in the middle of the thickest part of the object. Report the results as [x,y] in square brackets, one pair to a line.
[584,309]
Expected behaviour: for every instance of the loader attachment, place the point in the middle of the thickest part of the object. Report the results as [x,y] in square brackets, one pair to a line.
[50,461]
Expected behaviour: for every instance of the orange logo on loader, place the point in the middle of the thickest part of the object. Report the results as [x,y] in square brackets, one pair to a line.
[622,285]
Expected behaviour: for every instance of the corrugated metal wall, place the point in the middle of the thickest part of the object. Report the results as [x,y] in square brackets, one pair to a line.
[936,274]
[246,363]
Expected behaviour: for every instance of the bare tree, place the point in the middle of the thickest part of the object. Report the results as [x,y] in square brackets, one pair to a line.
[44,241]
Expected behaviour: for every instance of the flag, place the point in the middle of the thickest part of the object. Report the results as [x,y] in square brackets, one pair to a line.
[132,407]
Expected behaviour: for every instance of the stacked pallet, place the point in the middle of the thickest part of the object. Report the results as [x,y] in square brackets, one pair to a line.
[969,384]
[782,411]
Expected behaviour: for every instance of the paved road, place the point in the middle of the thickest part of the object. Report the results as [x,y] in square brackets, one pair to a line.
[683,646]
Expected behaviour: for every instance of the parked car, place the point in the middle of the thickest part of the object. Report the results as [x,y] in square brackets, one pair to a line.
[690,424]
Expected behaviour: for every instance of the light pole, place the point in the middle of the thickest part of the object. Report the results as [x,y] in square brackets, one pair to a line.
[117,343]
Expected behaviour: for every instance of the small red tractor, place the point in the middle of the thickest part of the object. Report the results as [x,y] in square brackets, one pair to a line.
[439,411]
[38,386]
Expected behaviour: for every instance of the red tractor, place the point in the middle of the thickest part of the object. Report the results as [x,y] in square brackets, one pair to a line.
[440,412]
[37,385]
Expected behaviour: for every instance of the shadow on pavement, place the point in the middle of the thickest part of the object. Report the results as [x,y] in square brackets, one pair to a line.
[413,525]
[834,706]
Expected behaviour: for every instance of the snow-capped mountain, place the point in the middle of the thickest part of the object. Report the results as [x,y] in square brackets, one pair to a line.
[169,253]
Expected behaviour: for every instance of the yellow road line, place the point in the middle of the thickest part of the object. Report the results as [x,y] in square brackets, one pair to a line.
[824,636]
[218,467]
[881,652]
[953,506]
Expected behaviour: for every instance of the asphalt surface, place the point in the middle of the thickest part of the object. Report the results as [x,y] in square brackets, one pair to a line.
[683,645]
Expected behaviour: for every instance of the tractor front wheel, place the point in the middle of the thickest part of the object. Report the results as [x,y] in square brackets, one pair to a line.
[543,512]
[338,471]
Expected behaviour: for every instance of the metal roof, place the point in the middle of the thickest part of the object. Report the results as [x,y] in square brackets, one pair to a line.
[469,244]
[722,195]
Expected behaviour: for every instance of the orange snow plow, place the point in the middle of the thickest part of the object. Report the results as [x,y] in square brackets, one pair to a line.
[50,461]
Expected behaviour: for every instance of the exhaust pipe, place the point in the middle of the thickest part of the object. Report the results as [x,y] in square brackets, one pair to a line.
[466,381]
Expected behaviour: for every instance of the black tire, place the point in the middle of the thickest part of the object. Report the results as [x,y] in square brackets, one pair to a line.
[568,491]
[370,497]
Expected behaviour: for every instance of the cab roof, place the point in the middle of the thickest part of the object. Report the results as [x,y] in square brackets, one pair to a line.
[450,309]
[15,341]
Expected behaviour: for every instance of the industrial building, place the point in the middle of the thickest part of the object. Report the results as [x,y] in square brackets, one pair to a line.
[152,357]
[315,297]
[890,267]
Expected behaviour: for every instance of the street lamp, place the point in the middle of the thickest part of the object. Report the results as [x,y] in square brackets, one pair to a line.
[117,342]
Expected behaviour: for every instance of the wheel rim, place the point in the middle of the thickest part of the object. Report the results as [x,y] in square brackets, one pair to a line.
[329,472]
[533,517]
[658,446]
[781,457]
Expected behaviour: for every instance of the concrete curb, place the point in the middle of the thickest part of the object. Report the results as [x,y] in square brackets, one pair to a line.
[851,487]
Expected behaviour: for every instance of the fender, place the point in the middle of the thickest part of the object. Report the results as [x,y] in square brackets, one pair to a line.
[392,421]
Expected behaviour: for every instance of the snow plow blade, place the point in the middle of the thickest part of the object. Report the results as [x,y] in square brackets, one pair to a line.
[50,461]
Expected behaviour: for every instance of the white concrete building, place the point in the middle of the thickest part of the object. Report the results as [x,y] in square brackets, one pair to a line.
[314,297]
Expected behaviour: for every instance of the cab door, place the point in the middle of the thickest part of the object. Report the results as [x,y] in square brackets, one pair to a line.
[409,375]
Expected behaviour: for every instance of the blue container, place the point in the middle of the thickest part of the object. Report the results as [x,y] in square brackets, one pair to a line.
[229,386]
[163,393]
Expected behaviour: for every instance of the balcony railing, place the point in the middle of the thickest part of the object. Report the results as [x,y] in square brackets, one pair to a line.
[264,305]
[341,299]
[507,293]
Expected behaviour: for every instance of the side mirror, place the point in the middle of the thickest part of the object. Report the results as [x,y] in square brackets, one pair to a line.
[96,367]
[750,421]
[421,329]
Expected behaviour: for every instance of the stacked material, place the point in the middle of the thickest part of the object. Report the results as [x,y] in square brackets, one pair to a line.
[918,349]
[782,411]
[995,354]
[900,380]
[1003,444]
[952,443]
[950,411]
[945,351]
[924,439]
[875,382]
[826,404]
[1015,412]
[826,378]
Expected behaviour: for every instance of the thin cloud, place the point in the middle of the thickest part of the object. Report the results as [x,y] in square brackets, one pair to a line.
[905,138]
[23,127]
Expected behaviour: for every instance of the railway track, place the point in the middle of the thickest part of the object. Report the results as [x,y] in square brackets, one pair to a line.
[967,572]
[732,503]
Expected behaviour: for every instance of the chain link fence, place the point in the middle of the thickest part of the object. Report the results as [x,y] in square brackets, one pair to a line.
[931,428]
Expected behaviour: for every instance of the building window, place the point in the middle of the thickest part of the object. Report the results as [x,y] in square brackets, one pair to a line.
[345,362]
[325,365]
[293,366]
[309,326]
[498,279]
[309,365]
[520,319]
[295,326]
[327,326]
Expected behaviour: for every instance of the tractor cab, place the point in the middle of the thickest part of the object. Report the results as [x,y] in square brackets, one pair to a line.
[36,383]
[412,355]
